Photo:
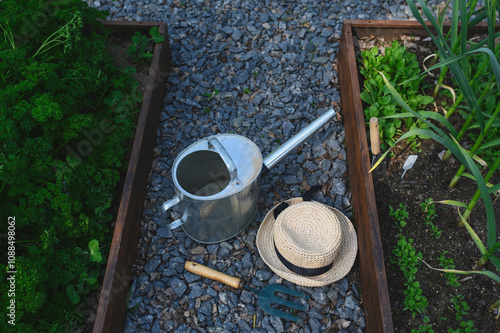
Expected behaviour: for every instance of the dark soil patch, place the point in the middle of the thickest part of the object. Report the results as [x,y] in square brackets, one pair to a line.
[429,178]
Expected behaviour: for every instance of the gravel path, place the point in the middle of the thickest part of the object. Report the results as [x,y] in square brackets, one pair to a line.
[264,70]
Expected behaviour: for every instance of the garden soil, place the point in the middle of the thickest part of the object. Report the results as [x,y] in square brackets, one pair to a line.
[429,178]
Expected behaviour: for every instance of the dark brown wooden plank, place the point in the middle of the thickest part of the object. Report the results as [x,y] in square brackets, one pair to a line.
[374,282]
[112,303]
[394,29]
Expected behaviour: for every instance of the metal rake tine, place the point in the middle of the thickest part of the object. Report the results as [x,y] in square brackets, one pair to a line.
[285,290]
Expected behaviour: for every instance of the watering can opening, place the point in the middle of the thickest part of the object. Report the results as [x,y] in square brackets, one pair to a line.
[203,173]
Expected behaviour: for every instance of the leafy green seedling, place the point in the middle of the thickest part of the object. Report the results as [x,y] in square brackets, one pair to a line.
[211,95]
[400,215]
[138,48]
[429,208]
[465,327]
[448,264]
[461,306]
[95,253]
[399,65]
[405,256]
[426,328]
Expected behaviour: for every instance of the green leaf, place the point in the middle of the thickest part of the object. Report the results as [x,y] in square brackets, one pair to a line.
[451,203]
[489,274]
[474,236]
[73,296]
[95,253]
[386,100]
[373,111]
[390,131]
[136,39]
[389,110]
[91,280]
[366,97]
[154,32]
[426,100]
[159,39]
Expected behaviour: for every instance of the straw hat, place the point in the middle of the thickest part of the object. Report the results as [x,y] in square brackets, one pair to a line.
[307,243]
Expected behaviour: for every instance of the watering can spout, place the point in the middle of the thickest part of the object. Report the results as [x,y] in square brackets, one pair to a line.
[297,139]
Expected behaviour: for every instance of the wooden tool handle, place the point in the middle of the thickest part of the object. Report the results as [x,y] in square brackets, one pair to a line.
[205,271]
[374,136]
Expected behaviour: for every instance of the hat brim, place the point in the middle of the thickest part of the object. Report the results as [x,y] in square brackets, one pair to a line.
[341,266]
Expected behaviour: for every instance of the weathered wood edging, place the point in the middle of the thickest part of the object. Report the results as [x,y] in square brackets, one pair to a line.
[111,310]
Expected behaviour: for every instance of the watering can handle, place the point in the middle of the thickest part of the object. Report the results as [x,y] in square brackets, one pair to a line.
[166,206]
[233,172]
[210,273]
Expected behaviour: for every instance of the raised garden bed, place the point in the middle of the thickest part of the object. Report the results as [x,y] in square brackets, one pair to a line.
[373,270]
[112,302]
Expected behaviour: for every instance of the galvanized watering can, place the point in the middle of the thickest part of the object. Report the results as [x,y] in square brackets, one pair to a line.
[217,182]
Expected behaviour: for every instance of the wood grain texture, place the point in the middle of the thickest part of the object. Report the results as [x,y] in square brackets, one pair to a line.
[375,293]
[112,302]
[373,278]
[210,273]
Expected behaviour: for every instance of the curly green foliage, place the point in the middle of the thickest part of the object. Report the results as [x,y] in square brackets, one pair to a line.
[398,65]
[64,125]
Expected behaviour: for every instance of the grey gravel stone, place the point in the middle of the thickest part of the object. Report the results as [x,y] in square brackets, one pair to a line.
[244,326]
[315,325]
[263,275]
[277,324]
[190,277]
[243,77]
[156,327]
[291,180]
[196,291]
[178,286]
[310,166]
[246,297]
[320,296]
[152,265]
[351,302]
[164,232]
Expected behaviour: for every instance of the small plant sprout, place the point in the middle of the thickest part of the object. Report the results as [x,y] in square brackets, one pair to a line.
[400,215]
[138,48]
[407,259]
[425,328]
[429,208]
[95,253]
[211,95]
[459,305]
[405,256]
[446,263]
[247,91]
